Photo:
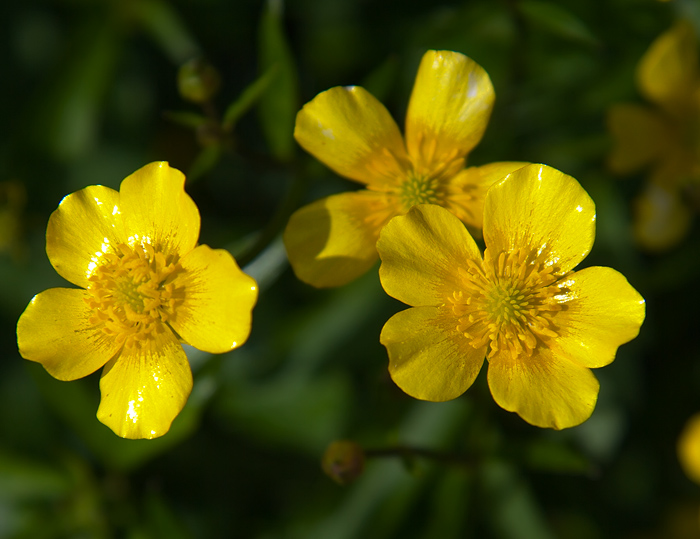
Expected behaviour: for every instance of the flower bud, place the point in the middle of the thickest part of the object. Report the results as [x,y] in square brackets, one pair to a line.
[198,81]
[343,461]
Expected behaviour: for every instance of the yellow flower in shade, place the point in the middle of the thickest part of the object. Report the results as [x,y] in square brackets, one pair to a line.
[333,240]
[145,286]
[689,448]
[540,325]
[663,138]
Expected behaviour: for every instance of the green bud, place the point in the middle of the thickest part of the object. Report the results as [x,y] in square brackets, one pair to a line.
[198,81]
[343,461]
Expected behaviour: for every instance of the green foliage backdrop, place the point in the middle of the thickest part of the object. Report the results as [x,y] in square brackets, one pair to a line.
[90,94]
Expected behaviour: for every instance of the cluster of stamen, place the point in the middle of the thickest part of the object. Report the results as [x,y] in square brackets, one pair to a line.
[419,190]
[509,303]
[133,293]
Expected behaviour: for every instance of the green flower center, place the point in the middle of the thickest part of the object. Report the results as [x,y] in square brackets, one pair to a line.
[509,303]
[419,190]
[133,294]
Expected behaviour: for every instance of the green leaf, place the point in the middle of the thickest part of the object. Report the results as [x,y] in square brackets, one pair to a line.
[185,118]
[248,98]
[552,456]
[278,105]
[557,20]
[25,479]
[205,161]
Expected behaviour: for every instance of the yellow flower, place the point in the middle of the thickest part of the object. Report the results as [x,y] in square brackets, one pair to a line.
[689,448]
[664,137]
[333,240]
[541,325]
[145,286]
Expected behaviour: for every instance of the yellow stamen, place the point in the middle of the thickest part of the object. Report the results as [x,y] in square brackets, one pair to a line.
[134,293]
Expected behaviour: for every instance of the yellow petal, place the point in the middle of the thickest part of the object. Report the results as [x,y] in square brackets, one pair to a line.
[421,253]
[689,448]
[143,389]
[467,190]
[157,210]
[348,130]
[668,72]
[219,299]
[84,227]
[545,390]
[641,136]
[593,295]
[449,108]
[428,358]
[54,330]
[661,219]
[539,206]
[332,241]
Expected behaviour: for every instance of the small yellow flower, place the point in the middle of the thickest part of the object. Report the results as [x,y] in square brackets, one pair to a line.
[663,137]
[689,448]
[333,240]
[145,286]
[541,325]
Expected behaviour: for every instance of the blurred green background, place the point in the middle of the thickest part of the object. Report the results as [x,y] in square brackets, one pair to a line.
[90,94]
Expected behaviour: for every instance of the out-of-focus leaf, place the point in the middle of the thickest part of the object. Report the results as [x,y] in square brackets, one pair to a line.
[278,105]
[77,406]
[449,507]
[380,81]
[205,161]
[552,456]
[248,97]
[557,20]
[25,479]
[513,511]
[166,28]
[70,118]
[185,118]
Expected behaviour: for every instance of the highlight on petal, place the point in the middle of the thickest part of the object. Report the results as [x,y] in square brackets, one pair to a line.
[449,108]
[143,389]
[641,136]
[689,448]
[55,330]
[661,218]
[84,227]
[157,211]
[351,132]
[541,207]
[215,315]
[421,252]
[467,190]
[668,72]
[332,241]
[428,358]
[545,390]
[601,312]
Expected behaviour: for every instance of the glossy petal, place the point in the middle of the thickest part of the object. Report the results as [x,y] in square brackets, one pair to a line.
[219,299]
[449,108]
[428,358]
[54,330]
[85,226]
[689,448]
[143,389]
[641,136]
[594,295]
[545,390]
[420,254]
[661,218]
[157,210]
[348,130]
[332,241]
[668,72]
[543,208]
[467,190]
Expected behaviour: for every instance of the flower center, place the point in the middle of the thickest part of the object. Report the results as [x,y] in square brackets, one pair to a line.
[417,189]
[509,303]
[133,293]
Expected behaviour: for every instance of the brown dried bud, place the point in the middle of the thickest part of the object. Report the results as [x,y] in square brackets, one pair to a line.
[343,461]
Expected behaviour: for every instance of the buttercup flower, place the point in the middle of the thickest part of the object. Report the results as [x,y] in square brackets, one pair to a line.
[689,448]
[541,325]
[332,241]
[145,286]
[663,137]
